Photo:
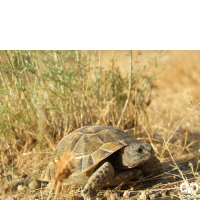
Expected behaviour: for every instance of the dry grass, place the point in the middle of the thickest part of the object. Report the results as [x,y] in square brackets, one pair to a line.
[63,169]
[46,95]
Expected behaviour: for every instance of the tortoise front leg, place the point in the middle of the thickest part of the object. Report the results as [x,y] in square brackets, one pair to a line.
[98,180]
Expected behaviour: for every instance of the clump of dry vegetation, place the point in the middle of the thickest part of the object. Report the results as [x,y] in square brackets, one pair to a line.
[45,95]
[63,169]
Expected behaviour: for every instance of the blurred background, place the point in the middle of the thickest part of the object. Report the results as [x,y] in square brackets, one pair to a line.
[45,95]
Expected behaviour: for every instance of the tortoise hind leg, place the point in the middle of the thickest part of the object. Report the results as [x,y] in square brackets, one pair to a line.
[98,179]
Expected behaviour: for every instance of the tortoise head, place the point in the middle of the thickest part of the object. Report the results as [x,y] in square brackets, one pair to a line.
[133,155]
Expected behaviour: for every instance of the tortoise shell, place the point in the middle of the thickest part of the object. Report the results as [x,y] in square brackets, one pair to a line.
[90,145]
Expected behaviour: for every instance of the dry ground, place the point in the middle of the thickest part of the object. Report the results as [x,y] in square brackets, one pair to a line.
[173,118]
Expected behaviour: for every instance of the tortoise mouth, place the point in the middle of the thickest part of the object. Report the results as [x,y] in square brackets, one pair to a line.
[140,162]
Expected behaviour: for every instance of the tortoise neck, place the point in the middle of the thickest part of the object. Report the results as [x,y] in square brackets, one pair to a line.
[117,161]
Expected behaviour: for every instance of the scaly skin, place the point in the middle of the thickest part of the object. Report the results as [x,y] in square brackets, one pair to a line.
[98,179]
[105,176]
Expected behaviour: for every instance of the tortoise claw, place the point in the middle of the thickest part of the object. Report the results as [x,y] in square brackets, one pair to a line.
[98,180]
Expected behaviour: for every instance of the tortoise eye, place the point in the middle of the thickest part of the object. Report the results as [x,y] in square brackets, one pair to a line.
[140,150]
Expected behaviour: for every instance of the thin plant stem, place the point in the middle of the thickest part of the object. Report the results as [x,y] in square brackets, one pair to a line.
[129,92]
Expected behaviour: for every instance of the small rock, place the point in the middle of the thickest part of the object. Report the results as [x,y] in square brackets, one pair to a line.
[20,187]
[109,195]
[152,196]
[155,195]
[49,185]
[144,196]
[34,185]
[165,193]
[126,194]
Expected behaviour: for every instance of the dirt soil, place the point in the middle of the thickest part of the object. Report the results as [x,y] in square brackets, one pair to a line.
[175,96]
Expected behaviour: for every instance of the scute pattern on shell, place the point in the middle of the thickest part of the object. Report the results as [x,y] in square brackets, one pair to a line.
[90,145]
[89,151]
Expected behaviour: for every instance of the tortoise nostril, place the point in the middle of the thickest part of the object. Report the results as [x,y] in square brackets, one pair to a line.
[140,150]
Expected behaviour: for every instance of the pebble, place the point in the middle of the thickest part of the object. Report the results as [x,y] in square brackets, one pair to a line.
[126,194]
[143,196]
[20,187]
[34,185]
[152,196]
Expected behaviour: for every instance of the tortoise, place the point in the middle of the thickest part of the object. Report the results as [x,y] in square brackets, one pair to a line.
[104,156]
